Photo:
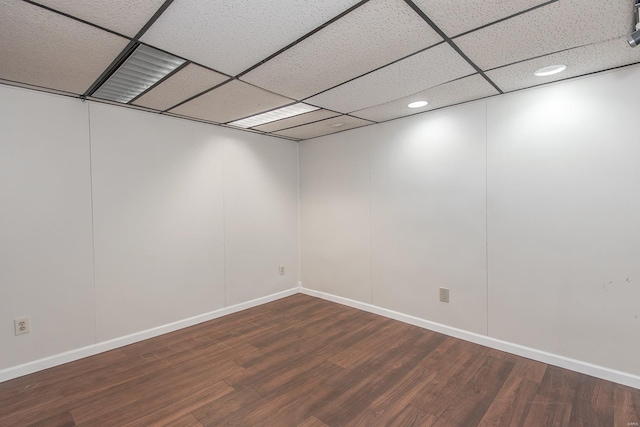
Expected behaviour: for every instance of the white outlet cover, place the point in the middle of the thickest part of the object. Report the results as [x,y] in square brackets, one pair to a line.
[22,325]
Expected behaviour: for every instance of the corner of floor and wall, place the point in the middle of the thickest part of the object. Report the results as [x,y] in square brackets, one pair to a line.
[119,225]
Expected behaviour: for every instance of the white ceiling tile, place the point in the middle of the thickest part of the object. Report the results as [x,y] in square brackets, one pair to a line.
[419,72]
[231,36]
[232,101]
[46,49]
[184,84]
[579,61]
[457,17]
[122,16]
[375,34]
[302,119]
[323,127]
[456,92]
[561,25]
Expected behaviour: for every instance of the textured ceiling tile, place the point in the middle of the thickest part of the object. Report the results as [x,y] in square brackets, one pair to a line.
[184,84]
[457,17]
[302,119]
[232,101]
[46,49]
[122,16]
[419,72]
[323,127]
[463,90]
[231,36]
[579,61]
[561,25]
[371,36]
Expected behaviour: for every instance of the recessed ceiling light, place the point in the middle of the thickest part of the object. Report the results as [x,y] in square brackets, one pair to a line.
[417,104]
[550,70]
[337,125]
[272,116]
[142,69]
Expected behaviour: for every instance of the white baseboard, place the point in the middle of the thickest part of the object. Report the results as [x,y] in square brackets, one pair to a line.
[70,356]
[519,350]
[530,353]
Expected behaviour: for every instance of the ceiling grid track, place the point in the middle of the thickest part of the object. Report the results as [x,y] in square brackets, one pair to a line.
[66,15]
[451,43]
[306,36]
[131,47]
[357,62]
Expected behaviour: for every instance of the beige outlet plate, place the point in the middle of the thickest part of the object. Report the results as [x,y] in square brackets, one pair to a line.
[444,294]
[22,325]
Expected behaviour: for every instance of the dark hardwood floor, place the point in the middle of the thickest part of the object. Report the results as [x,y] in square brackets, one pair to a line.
[302,361]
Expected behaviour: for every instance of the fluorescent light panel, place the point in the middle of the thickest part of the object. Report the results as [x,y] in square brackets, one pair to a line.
[144,68]
[272,116]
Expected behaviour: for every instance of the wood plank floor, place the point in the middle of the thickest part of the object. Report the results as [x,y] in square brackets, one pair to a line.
[302,361]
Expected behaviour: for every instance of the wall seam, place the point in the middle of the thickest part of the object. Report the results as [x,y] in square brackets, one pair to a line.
[93,233]
[299,217]
[224,225]
[370,227]
[486,203]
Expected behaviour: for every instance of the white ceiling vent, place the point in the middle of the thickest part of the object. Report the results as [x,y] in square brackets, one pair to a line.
[145,67]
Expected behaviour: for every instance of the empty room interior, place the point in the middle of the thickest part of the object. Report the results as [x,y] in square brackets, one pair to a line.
[319,213]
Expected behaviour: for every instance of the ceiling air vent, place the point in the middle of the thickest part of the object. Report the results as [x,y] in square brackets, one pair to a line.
[145,67]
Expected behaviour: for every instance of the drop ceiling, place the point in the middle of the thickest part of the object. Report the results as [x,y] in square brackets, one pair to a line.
[359,62]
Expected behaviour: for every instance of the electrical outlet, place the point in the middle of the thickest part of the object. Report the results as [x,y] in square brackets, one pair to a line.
[22,325]
[281,270]
[444,294]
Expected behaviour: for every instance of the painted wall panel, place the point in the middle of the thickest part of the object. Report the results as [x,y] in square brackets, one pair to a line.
[334,214]
[561,204]
[158,214]
[563,210]
[261,215]
[428,225]
[46,265]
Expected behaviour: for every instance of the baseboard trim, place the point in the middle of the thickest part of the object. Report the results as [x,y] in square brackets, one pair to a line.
[519,350]
[101,347]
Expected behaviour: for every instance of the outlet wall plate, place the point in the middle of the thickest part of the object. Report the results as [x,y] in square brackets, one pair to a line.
[281,270]
[22,325]
[444,294]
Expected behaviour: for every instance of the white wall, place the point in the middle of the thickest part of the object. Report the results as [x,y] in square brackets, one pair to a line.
[564,219]
[428,222]
[187,218]
[261,211]
[335,228]
[158,220]
[391,213]
[46,262]
[554,173]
